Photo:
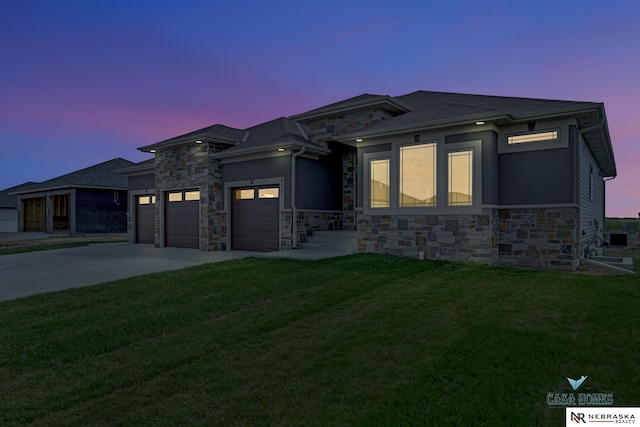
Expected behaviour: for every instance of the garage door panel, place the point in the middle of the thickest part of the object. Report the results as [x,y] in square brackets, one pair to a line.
[182,221]
[145,219]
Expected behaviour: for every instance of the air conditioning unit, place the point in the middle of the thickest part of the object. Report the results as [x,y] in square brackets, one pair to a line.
[617,238]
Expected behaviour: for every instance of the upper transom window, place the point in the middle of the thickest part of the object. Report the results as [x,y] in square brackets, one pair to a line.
[525,138]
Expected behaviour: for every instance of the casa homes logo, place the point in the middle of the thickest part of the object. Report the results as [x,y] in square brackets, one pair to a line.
[599,416]
[581,392]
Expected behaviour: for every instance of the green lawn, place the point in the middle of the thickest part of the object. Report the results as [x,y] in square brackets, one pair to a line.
[361,340]
[40,247]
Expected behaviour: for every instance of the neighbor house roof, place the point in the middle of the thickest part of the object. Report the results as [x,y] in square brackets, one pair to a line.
[102,175]
[8,200]
[143,167]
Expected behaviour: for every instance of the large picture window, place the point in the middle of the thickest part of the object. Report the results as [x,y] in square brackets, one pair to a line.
[417,175]
[379,185]
[460,178]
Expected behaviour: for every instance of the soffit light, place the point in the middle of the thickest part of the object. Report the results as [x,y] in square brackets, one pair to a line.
[358,139]
[479,123]
[152,151]
[198,141]
[280,149]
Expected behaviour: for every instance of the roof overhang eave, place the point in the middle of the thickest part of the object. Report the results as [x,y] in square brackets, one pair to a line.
[310,148]
[427,125]
[66,187]
[183,140]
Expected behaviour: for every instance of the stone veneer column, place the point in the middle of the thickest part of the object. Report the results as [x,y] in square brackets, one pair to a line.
[190,166]
[349,167]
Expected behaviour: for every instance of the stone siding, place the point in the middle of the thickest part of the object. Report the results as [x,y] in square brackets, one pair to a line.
[326,127]
[540,238]
[448,237]
[310,221]
[349,167]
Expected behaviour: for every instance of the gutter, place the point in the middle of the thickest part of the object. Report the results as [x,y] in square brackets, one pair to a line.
[294,209]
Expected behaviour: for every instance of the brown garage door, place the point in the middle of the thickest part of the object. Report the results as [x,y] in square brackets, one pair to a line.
[145,218]
[255,219]
[182,219]
[33,210]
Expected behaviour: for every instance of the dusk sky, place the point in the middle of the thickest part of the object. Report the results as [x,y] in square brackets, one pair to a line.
[82,82]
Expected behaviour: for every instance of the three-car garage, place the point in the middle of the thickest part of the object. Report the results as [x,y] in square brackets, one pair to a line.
[254,220]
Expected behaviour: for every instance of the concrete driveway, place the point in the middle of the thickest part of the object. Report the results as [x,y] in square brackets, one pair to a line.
[32,273]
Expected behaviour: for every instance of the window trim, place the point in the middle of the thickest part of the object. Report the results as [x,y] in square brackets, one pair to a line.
[368,158]
[473,176]
[559,126]
[442,149]
[437,168]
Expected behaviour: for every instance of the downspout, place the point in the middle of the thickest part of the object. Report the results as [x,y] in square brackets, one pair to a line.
[294,209]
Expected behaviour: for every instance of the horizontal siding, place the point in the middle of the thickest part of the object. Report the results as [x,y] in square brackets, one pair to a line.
[591,195]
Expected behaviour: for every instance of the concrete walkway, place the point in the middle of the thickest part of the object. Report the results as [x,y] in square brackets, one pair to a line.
[32,273]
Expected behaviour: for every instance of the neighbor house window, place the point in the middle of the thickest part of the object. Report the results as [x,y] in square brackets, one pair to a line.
[417,175]
[533,137]
[460,178]
[379,185]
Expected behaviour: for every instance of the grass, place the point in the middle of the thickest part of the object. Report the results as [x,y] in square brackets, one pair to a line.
[40,247]
[361,340]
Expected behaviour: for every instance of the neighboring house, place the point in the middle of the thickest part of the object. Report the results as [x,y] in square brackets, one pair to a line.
[91,200]
[9,209]
[497,180]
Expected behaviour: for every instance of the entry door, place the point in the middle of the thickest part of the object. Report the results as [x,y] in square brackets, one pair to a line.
[255,219]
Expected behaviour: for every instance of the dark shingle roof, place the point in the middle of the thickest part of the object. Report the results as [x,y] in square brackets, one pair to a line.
[217,132]
[278,133]
[102,175]
[7,201]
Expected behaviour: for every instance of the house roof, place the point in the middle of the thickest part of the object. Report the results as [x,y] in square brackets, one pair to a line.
[102,175]
[416,111]
[279,133]
[8,200]
[215,133]
[366,100]
[430,110]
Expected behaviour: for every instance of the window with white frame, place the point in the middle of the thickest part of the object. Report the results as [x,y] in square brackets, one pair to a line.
[417,176]
[525,138]
[379,195]
[460,178]
[425,178]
